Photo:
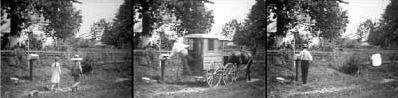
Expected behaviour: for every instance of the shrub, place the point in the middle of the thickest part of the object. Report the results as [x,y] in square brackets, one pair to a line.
[89,59]
[352,66]
[20,58]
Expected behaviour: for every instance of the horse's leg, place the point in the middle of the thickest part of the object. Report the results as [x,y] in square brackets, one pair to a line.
[248,72]
[248,69]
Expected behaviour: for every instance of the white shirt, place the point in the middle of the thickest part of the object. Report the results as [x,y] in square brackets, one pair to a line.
[305,55]
[179,48]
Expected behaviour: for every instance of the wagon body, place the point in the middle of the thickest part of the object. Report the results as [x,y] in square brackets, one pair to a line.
[203,50]
[207,58]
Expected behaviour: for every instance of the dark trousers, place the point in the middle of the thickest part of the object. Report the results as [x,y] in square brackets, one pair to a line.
[298,63]
[304,70]
[248,73]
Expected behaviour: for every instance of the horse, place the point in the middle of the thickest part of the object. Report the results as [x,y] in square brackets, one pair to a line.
[239,58]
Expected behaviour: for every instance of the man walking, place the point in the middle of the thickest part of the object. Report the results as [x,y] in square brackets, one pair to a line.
[77,72]
[306,58]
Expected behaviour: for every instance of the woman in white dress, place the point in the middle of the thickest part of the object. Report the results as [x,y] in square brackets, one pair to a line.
[56,72]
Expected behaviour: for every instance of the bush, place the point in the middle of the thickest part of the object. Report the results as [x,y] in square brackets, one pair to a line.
[89,59]
[352,66]
[20,58]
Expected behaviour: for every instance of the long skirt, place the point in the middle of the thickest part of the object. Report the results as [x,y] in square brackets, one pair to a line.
[55,78]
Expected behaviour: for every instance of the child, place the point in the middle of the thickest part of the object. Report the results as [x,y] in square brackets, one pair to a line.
[56,71]
[76,73]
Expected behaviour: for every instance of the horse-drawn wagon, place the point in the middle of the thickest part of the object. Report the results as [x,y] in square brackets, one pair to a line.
[207,59]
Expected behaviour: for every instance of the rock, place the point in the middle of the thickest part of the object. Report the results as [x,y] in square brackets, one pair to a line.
[14,79]
[148,80]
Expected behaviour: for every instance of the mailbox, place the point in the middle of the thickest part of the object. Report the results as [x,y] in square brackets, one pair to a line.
[32,58]
[164,56]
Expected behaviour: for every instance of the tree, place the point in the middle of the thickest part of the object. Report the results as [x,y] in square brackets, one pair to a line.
[364,28]
[389,24]
[64,19]
[194,17]
[229,28]
[120,31]
[329,19]
[61,15]
[251,33]
[98,28]
[192,14]
[377,35]
[385,32]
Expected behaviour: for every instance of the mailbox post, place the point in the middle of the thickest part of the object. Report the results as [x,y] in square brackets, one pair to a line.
[163,58]
[32,58]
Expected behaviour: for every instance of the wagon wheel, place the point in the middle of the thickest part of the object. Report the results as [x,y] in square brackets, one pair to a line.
[229,74]
[214,78]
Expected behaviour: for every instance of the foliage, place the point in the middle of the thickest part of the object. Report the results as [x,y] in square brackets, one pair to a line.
[98,28]
[191,15]
[119,32]
[325,45]
[20,57]
[35,43]
[251,32]
[329,19]
[352,66]
[17,11]
[81,43]
[62,17]
[364,28]
[385,33]
[89,60]
[390,19]
[377,35]
[229,28]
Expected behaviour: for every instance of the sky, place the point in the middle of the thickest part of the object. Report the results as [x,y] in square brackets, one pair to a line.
[94,10]
[361,10]
[226,10]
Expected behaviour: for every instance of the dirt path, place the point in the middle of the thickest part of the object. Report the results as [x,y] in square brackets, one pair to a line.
[104,82]
[239,89]
[325,82]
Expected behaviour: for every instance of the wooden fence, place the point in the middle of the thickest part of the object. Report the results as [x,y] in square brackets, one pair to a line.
[98,57]
[258,58]
[338,56]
